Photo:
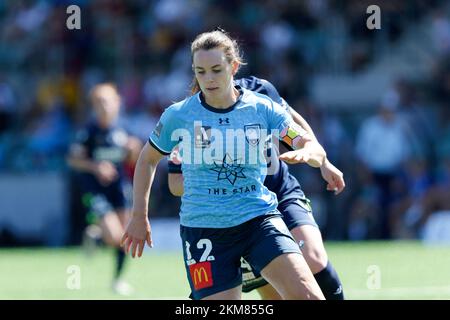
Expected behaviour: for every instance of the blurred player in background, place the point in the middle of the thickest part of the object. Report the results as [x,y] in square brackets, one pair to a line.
[292,203]
[105,154]
[226,212]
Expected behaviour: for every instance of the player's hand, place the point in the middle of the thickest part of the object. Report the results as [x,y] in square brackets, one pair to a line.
[137,233]
[333,176]
[106,172]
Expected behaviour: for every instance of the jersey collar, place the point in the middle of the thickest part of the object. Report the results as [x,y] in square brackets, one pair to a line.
[216,110]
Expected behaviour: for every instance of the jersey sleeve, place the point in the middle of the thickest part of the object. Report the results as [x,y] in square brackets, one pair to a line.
[164,137]
[280,119]
[285,105]
[270,91]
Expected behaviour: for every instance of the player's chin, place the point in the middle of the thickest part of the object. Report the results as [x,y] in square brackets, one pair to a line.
[211,92]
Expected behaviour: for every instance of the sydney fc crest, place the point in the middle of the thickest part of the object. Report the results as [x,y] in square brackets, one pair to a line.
[252,134]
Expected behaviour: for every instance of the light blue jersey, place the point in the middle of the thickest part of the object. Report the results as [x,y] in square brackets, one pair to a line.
[223,158]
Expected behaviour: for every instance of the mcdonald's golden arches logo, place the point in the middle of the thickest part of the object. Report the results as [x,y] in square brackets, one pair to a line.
[201,275]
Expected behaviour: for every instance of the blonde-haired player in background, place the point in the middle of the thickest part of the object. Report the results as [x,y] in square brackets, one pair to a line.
[102,152]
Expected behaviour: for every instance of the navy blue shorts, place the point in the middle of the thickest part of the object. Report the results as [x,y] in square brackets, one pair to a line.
[213,255]
[99,200]
[295,212]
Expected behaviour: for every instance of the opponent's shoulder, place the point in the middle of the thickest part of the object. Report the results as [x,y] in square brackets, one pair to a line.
[261,86]
[260,101]
[85,132]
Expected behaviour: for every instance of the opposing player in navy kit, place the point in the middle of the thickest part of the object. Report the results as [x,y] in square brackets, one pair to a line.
[99,153]
[226,211]
[292,203]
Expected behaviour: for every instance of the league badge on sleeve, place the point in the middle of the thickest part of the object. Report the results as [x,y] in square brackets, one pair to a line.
[158,129]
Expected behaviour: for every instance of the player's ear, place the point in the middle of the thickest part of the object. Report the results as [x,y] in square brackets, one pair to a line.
[234,67]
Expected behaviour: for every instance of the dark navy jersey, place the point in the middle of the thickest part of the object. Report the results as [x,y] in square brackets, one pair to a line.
[261,86]
[280,181]
[103,144]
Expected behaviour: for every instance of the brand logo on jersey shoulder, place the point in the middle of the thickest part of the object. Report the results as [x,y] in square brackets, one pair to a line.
[228,169]
[252,134]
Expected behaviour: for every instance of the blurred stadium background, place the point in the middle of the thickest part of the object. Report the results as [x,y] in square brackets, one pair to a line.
[378,100]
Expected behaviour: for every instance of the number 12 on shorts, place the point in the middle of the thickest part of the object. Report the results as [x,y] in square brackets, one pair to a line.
[200,272]
[202,243]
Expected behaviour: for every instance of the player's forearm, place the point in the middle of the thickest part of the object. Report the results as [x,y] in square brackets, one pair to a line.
[326,163]
[83,165]
[143,179]
[302,122]
[317,154]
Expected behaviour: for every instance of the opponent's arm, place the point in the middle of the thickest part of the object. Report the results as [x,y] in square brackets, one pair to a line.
[332,175]
[306,149]
[302,122]
[77,159]
[104,171]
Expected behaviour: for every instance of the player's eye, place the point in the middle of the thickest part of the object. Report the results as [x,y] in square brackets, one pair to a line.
[217,70]
[200,72]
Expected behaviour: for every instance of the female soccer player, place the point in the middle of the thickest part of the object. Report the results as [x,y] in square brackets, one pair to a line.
[99,153]
[226,212]
[292,204]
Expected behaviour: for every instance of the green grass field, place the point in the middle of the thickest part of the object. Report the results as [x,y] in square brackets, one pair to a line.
[368,270]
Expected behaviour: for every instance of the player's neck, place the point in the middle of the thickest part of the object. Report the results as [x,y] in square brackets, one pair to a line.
[225,101]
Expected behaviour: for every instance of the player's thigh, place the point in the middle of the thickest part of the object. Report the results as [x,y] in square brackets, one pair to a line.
[275,254]
[312,246]
[290,275]
[112,228]
[252,280]
[297,212]
[298,216]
